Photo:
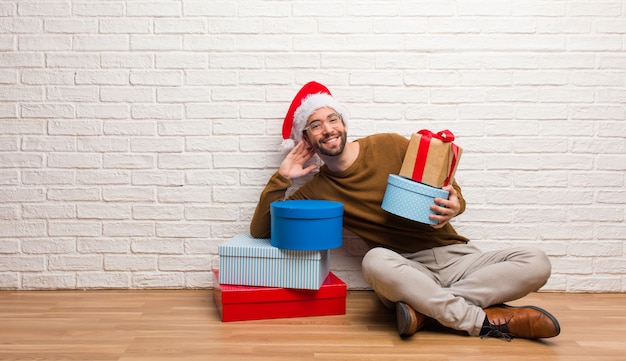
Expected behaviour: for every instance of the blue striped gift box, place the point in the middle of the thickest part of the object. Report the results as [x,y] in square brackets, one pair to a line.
[247,261]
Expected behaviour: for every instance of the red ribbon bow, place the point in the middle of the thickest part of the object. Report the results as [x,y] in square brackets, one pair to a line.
[445,136]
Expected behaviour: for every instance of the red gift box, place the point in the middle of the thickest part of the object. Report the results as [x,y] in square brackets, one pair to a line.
[431,158]
[240,303]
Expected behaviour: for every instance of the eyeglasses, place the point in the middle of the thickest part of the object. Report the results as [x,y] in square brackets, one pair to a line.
[317,126]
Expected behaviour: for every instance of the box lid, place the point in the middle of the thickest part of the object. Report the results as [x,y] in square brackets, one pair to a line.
[306,209]
[333,287]
[416,187]
[243,245]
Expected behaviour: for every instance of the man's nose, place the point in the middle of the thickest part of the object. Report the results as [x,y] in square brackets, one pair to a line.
[326,126]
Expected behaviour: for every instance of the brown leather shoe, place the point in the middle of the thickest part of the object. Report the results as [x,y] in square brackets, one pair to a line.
[409,320]
[525,322]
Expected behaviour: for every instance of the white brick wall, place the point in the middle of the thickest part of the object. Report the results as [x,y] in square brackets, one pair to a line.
[135,136]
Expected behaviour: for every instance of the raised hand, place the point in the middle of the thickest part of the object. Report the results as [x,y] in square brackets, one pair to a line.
[292,166]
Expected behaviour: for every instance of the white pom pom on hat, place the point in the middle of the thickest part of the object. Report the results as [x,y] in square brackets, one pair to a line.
[310,98]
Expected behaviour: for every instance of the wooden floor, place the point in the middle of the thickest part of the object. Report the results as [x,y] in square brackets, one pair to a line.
[185,325]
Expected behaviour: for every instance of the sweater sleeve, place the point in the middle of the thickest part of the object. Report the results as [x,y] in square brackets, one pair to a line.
[260,226]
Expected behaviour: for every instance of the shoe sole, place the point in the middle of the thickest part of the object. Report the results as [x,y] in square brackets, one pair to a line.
[556,323]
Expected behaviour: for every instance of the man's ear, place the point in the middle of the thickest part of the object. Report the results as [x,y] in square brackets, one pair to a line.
[305,137]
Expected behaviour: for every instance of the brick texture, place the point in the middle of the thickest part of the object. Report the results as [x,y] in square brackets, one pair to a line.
[136,136]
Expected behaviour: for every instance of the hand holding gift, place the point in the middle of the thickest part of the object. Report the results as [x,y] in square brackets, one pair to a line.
[443,210]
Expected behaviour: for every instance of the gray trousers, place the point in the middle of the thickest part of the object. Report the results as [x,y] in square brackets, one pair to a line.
[452,284]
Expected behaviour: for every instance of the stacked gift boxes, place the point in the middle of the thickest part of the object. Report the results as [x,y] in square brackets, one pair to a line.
[287,275]
[429,164]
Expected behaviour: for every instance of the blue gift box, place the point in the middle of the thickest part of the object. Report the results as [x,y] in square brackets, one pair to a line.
[248,261]
[410,199]
[306,224]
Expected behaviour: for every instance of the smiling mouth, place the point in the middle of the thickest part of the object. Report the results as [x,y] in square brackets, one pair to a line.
[331,140]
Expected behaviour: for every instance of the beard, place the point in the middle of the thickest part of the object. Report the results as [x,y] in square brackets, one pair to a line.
[332,151]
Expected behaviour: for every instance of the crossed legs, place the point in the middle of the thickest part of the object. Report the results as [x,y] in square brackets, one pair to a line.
[453,284]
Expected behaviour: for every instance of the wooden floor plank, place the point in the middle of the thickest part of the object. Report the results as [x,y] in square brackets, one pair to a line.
[185,325]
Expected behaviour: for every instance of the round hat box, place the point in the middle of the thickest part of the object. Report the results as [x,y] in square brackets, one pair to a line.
[309,225]
[410,199]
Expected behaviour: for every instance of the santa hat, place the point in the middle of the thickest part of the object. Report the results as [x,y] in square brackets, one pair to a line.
[310,98]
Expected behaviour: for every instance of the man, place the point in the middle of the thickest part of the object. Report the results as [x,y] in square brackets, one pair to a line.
[424,271]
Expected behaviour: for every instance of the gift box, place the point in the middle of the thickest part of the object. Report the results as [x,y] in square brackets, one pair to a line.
[409,199]
[306,224]
[251,261]
[239,303]
[431,158]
